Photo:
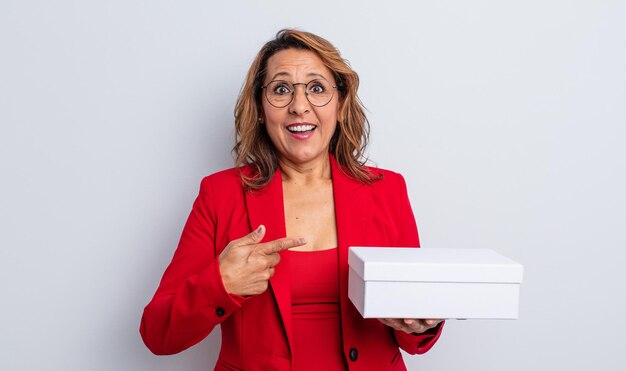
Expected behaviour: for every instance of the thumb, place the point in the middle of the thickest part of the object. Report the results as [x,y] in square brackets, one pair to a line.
[253,237]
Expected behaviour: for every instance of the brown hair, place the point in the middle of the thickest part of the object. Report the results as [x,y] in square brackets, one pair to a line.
[253,145]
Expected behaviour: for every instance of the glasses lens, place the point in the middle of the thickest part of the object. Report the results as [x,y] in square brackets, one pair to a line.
[279,93]
[319,92]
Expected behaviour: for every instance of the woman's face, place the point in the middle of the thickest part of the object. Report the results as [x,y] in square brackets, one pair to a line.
[300,131]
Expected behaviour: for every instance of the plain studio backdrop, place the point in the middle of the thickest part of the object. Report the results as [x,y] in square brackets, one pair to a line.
[506,118]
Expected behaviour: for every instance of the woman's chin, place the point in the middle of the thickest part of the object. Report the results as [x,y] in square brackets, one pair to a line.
[303,158]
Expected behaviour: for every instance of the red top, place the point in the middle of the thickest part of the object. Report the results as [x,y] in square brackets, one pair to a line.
[315,311]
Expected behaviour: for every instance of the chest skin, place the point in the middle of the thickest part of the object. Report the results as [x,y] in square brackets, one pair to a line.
[310,213]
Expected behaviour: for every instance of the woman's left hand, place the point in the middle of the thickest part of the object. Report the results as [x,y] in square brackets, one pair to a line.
[411,325]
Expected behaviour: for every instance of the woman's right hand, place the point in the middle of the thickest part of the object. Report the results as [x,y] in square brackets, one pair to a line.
[247,265]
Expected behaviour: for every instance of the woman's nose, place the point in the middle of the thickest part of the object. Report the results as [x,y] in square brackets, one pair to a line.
[300,103]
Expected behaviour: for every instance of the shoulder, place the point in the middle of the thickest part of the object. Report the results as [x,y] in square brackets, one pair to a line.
[382,172]
[224,180]
[385,178]
[227,175]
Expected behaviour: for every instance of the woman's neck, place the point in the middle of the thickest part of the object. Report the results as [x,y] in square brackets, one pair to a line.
[309,173]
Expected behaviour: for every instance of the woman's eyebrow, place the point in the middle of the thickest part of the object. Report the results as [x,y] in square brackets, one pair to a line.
[315,74]
[287,74]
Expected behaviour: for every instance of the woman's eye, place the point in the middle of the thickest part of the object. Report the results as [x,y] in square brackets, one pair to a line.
[317,89]
[282,89]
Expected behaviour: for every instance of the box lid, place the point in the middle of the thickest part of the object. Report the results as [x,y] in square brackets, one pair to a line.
[433,265]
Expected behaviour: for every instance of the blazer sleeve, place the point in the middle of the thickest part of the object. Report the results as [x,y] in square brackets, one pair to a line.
[191,299]
[408,237]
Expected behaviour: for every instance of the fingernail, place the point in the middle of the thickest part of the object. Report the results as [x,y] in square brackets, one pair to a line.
[302,240]
[258,230]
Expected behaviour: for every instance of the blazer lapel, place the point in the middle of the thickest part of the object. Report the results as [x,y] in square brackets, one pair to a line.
[266,207]
[353,213]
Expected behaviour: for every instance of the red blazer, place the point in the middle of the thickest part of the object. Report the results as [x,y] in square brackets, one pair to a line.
[256,331]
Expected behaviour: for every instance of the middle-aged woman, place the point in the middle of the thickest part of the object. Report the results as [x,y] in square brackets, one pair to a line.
[264,253]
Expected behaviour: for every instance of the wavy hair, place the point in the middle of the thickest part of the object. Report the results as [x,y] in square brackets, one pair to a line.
[254,146]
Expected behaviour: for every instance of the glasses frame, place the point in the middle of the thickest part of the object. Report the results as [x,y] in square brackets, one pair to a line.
[293,93]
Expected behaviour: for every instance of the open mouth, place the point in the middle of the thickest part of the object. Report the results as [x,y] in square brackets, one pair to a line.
[301,128]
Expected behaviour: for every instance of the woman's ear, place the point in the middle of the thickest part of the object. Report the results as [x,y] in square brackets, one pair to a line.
[341,115]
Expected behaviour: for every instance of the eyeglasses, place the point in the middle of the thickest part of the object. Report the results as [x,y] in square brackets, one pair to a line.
[280,93]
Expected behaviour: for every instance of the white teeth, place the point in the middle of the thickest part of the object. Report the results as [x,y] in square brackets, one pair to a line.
[300,128]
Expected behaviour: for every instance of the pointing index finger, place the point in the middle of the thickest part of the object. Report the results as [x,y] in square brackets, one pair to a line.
[280,245]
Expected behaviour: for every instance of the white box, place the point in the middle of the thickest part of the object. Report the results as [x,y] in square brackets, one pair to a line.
[387,282]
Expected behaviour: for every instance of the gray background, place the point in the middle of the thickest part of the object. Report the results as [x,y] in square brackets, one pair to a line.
[506,118]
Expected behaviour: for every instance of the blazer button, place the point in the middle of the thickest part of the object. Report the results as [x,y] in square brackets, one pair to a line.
[220,311]
[354,354]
